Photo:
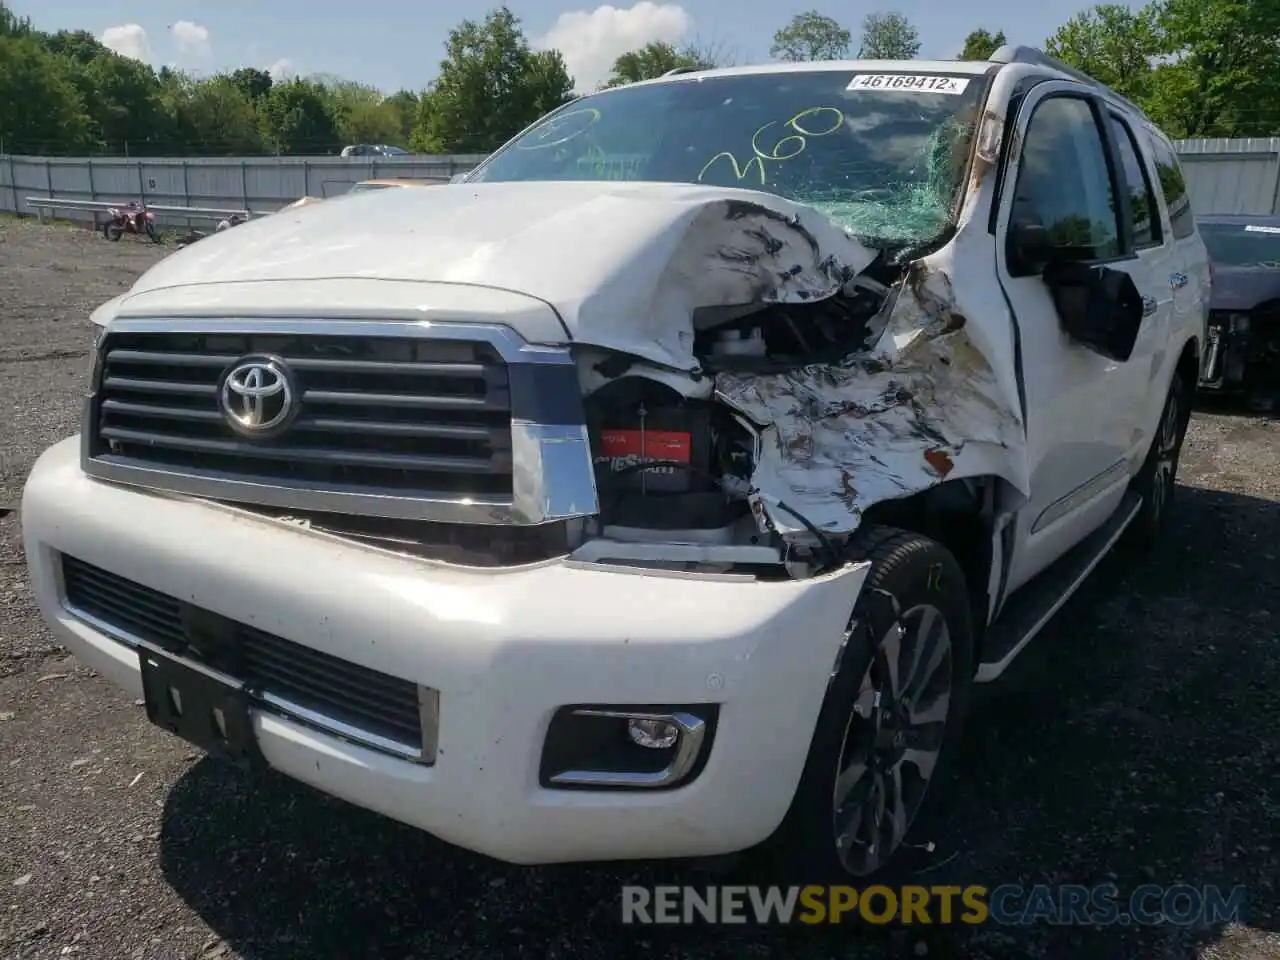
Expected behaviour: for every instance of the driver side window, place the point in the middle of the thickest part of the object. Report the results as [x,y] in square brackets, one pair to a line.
[1064,183]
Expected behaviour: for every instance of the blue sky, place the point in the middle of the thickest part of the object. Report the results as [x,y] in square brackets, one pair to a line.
[399,43]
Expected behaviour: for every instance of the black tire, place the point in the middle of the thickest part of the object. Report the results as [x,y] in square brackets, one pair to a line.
[151,232]
[1156,482]
[112,232]
[909,573]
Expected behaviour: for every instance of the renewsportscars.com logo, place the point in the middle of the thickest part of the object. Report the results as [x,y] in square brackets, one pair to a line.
[1007,905]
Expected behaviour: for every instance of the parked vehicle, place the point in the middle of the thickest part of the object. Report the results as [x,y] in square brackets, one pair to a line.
[131,218]
[366,185]
[1244,314]
[373,150]
[664,488]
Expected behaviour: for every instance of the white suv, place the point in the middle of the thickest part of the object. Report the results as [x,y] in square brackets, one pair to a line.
[663,488]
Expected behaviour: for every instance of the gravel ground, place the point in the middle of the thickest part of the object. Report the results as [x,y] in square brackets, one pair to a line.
[1136,742]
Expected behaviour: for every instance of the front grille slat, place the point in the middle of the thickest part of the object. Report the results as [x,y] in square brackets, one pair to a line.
[304,454]
[127,408]
[159,386]
[156,620]
[456,431]
[356,696]
[420,401]
[406,416]
[347,688]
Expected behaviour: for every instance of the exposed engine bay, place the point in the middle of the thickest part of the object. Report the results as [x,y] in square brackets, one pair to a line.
[674,463]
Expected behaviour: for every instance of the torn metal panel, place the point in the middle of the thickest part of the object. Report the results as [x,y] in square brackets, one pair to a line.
[934,399]
[625,266]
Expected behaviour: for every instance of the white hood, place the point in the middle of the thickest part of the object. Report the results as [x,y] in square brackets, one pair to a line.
[624,265]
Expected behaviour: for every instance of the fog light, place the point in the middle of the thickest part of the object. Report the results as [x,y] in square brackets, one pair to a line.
[626,747]
[654,734]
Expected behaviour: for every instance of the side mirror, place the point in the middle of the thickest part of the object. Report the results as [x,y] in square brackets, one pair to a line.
[1099,307]
[1031,247]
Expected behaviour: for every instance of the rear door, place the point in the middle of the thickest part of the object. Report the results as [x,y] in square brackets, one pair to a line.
[1193,282]
[1082,414]
[1157,246]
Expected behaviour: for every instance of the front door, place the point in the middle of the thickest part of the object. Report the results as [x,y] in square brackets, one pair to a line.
[1083,411]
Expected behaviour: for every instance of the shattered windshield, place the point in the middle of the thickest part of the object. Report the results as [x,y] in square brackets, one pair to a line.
[881,154]
[1241,245]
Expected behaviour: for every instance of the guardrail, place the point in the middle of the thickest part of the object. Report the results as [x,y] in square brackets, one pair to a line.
[43,204]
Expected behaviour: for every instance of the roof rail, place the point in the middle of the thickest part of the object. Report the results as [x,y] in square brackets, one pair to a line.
[675,71]
[1017,53]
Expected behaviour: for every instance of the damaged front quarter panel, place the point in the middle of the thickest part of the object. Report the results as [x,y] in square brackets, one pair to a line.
[865,382]
[935,398]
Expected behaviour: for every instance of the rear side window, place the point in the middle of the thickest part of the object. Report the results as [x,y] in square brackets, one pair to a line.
[1142,201]
[1174,188]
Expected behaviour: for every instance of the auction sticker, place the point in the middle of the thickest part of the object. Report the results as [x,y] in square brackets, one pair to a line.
[908,83]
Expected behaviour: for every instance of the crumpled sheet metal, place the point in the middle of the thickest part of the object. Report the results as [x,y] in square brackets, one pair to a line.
[730,251]
[934,399]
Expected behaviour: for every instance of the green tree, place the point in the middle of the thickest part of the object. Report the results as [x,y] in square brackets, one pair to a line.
[78,45]
[651,60]
[1112,44]
[42,110]
[981,44]
[811,36]
[12,25]
[363,114]
[295,118]
[404,105]
[123,98]
[888,36]
[252,82]
[212,117]
[490,86]
[1221,71]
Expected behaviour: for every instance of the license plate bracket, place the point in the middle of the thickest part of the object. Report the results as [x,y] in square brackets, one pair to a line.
[206,712]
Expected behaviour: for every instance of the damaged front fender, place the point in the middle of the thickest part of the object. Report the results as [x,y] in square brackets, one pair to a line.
[934,399]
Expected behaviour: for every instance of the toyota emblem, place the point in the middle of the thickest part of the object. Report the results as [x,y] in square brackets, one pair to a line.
[257,396]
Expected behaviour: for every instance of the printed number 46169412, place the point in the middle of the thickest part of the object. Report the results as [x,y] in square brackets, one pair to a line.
[908,83]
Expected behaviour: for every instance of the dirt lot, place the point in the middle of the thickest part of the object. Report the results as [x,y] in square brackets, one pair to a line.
[1137,742]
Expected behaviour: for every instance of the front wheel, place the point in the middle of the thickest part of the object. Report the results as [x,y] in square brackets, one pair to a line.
[112,231]
[890,720]
[1156,481]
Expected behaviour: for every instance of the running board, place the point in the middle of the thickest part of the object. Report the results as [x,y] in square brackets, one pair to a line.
[1031,607]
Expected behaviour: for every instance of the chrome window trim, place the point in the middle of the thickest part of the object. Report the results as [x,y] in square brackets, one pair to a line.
[428,699]
[553,473]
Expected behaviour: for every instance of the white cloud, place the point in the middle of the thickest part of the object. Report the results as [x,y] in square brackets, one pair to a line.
[282,69]
[192,40]
[129,40]
[592,40]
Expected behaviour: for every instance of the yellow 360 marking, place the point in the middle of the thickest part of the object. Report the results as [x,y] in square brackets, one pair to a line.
[819,122]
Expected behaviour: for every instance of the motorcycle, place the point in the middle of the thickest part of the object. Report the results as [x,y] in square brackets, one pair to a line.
[131,219]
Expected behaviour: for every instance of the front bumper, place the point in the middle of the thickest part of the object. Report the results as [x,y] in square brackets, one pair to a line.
[504,649]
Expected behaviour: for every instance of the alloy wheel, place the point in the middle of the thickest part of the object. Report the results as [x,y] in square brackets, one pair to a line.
[1167,450]
[892,741]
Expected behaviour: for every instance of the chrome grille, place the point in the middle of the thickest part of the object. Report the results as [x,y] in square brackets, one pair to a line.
[401,416]
[273,668]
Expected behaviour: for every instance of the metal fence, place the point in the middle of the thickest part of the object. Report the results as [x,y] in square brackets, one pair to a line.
[1224,176]
[1232,176]
[255,184]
